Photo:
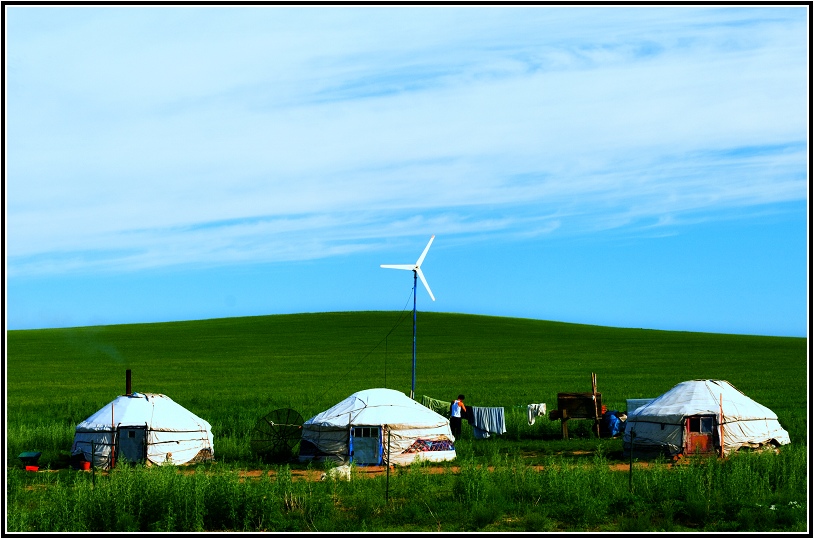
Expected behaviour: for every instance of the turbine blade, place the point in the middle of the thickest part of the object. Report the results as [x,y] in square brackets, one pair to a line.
[423,280]
[427,248]
[399,266]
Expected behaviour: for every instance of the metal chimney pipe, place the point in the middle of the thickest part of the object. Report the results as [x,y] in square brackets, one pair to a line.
[127,382]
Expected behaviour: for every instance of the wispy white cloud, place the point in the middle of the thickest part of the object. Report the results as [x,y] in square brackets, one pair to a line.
[141,137]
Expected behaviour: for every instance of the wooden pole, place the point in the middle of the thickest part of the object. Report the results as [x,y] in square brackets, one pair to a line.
[630,475]
[596,407]
[387,488]
[721,424]
[564,420]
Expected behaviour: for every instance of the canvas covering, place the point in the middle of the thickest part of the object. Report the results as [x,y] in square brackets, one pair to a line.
[659,425]
[170,429]
[404,419]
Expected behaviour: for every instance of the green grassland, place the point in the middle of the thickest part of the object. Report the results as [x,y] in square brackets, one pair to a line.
[232,371]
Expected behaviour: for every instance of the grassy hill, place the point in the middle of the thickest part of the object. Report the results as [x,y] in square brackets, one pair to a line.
[233,370]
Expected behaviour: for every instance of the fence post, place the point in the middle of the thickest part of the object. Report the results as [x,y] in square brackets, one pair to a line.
[721,425]
[564,421]
[630,475]
[387,490]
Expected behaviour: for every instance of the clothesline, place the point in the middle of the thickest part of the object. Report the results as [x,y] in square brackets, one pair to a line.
[485,419]
[431,403]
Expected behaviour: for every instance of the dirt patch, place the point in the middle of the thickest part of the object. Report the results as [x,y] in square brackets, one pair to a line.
[374,471]
[316,475]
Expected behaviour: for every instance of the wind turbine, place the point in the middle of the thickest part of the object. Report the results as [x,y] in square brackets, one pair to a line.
[416,269]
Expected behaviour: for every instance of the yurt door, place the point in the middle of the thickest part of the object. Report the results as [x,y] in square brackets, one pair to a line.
[367,445]
[700,434]
[132,444]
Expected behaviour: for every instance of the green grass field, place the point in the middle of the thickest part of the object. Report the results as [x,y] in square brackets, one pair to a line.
[232,371]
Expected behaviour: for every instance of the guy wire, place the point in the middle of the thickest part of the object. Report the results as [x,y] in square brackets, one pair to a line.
[398,322]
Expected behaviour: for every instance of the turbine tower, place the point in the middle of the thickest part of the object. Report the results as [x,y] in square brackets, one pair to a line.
[416,269]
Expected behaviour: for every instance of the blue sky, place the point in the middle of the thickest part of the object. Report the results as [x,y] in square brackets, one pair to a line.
[622,166]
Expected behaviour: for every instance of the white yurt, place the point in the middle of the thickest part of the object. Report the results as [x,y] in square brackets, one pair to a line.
[694,416]
[143,427]
[373,424]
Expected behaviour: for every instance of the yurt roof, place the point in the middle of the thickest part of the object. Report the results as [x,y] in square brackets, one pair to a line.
[378,406]
[702,397]
[153,410]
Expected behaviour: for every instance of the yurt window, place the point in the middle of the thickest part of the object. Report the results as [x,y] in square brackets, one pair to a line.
[701,424]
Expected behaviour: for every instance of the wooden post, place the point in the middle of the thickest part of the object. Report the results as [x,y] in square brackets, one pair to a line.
[564,419]
[721,425]
[630,475]
[387,488]
[596,407]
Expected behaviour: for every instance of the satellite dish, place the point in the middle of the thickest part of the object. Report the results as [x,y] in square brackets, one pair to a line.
[276,434]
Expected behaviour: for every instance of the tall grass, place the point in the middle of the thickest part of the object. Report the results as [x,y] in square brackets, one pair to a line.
[162,499]
[746,492]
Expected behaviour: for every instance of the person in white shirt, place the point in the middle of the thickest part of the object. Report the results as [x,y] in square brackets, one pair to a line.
[456,415]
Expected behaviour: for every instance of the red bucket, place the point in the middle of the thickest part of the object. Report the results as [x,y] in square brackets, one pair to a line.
[32,468]
[85,465]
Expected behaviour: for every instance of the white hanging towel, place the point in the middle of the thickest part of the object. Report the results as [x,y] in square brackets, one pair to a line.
[535,411]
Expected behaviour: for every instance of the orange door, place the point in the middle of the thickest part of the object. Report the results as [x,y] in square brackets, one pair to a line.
[699,435]
[697,442]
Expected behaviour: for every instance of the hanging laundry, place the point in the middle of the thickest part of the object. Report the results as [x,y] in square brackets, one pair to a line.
[487,420]
[437,406]
[535,411]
